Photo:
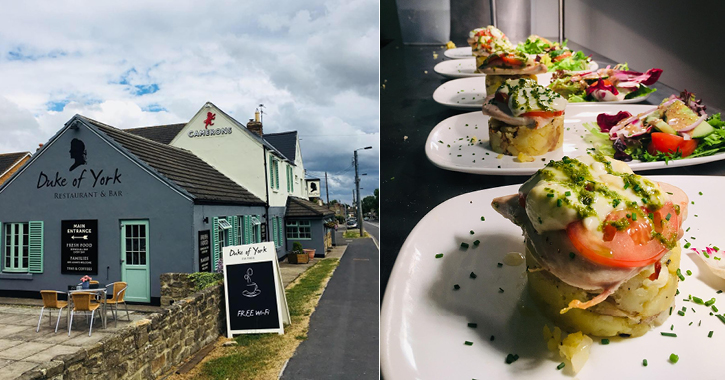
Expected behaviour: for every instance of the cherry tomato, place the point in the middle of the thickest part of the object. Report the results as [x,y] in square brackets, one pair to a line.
[562,56]
[544,114]
[667,143]
[632,246]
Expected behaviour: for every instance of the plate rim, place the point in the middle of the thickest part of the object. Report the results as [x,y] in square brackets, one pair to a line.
[635,165]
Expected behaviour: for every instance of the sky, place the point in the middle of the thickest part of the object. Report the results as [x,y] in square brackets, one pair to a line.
[313,64]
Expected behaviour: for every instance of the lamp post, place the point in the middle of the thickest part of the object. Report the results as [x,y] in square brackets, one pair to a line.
[357,186]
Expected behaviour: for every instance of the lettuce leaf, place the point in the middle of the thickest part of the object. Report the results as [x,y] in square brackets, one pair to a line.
[641,91]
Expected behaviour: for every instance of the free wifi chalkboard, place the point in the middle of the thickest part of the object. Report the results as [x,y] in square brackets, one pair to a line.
[253,289]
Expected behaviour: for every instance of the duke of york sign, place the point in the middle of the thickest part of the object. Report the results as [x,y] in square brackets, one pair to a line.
[210,131]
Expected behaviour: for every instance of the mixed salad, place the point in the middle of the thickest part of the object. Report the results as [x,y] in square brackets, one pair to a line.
[677,128]
[554,55]
[485,41]
[604,85]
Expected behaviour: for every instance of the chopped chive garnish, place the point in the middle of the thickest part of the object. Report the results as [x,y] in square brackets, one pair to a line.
[689,273]
[688,229]
[651,215]
[714,308]
[697,300]
[709,335]
[674,358]
[510,358]
[644,362]
[499,265]
[706,255]
[715,248]
[492,338]
[560,366]
[500,290]
[710,302]
[472,232]
[456,287]
[687,245]
[473,275]
[690,324]
[571,255]
[719,291]
[684,308]
[679,274]
[468,343]
[699,323]
[668,216]
[473,325]
[439,255]
[672,327]
[559,202]
[669,334]
[550,195]
[605,341]
[465,246]
[634,217]
[720,317]
[677,292]
[476,242]
[701,193]
[681,313]
[483,219]
[670,310]
[568,193]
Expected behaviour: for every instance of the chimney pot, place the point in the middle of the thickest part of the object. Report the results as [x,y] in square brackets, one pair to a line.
[255,127]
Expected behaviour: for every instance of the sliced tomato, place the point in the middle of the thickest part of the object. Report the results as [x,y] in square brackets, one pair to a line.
[511,60]
[544,114]
[562,56]
[667,143]
[631,246]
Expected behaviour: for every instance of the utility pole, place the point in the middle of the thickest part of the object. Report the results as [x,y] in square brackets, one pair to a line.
[327,193]
[358,204]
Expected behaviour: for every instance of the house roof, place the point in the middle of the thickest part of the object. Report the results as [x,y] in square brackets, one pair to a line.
[8,160]
[159,133]
[285,142]
[181,167]
[297,207]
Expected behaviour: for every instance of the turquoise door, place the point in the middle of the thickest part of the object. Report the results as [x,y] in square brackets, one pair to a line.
[135,260]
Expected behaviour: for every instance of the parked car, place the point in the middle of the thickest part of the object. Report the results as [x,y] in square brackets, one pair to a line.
[352,223]
[366,218]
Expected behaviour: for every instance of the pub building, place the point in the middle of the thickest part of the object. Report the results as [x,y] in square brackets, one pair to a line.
[128,205]
[96,200]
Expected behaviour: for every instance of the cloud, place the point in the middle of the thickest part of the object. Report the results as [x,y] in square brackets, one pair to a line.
[313,64]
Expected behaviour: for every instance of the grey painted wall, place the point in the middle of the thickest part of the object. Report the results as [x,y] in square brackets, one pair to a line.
[318,237]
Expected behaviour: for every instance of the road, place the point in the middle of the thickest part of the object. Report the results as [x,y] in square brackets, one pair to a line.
[373,228]
[343,338]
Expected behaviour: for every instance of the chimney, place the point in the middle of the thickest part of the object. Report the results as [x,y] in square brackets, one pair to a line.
[255,125]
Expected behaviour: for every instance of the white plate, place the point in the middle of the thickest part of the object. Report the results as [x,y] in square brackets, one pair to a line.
[459,53]
[469,93]
[466,68]
[460,156]
[424,321]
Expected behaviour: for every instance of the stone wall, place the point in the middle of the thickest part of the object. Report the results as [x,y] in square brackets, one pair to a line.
[149,347]
[175,286]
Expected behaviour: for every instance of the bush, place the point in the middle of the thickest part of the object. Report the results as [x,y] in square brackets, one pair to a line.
[297,247]
[340,219]
[203,280]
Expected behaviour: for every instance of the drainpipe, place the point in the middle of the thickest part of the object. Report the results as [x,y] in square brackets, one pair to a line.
[266,190]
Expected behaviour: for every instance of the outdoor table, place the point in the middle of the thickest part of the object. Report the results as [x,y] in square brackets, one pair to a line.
[412,184]
[100,292]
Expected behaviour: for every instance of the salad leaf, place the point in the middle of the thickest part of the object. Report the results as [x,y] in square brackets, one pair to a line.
[576,99]
[606,121]
[598,139]
[566,88]
[641,91]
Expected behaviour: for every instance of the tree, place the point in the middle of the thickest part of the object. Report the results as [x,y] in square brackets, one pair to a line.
[369,204]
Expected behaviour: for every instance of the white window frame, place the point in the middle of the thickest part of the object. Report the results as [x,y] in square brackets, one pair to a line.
[13,252]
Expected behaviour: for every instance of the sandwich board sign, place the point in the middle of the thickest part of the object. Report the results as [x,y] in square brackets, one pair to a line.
[253,290]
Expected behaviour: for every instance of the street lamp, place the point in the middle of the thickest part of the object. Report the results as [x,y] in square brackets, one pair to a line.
[357,186]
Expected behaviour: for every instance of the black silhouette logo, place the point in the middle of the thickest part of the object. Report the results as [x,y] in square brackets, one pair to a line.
[313,187]
[77,153]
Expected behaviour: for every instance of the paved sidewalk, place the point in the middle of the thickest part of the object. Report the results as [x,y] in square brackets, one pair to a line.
[343,336]
[22,349]
[290,272]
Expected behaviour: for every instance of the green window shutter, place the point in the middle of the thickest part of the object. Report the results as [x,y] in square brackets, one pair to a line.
[281,231]
[247,229]
[271,173]
[258,237]
[276,174]
[274,230]
[235,229]
[291,180]
[215,252]
[35,247]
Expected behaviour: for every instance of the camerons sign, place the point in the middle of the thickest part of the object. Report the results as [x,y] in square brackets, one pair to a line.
[210,131]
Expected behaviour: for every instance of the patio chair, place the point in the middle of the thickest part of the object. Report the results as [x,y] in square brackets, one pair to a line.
[83,301]
[118,295]
[51,301]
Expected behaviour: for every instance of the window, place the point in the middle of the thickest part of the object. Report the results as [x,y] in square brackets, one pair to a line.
[274,173]
[290,182]
[256,230]
[299,229]
[23,247]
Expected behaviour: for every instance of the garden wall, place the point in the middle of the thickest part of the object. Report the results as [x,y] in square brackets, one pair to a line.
[149,347]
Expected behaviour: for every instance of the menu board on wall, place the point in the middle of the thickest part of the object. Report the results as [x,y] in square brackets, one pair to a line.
[255,299]
[204,251]
[79,246]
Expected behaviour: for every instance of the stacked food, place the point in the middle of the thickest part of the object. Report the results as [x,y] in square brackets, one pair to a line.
[485,41]
[602,247]
[525,118]
[509,64]
[604,85]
